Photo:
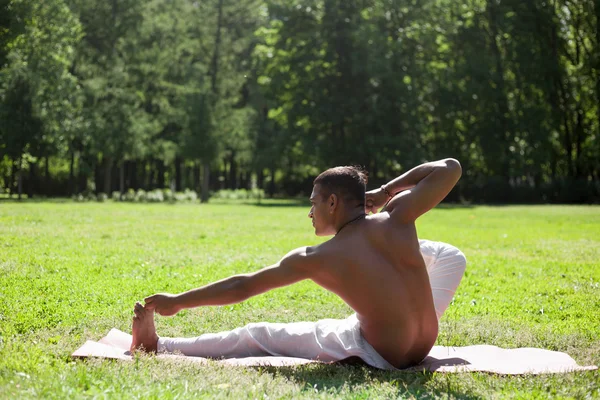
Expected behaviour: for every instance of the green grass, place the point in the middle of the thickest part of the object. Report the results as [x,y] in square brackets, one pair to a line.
[71,271]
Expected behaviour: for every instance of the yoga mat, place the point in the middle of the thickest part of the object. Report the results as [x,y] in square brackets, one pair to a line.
[481,358]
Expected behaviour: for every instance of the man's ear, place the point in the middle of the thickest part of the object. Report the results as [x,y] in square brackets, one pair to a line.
[332,202]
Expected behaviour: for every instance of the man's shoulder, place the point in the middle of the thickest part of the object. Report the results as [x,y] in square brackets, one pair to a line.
[301,252]
[305,256]
[385,219]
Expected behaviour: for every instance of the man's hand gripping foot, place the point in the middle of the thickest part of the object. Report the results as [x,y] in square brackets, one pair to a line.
[144,332]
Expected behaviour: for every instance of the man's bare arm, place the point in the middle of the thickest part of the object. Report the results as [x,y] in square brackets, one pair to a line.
[422,188]
[294,267]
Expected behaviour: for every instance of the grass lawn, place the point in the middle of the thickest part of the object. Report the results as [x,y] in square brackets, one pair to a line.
[71,271]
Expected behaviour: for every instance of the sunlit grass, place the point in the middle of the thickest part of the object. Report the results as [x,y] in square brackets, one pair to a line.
[71,271]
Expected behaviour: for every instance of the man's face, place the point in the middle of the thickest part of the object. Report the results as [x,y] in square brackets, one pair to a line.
[321,212]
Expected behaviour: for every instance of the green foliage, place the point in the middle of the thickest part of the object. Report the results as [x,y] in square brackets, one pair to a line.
[286,88]
[71,271]
[388,84]
[38,93]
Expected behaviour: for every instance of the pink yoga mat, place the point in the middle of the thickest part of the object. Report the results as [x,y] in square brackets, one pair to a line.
[482,358]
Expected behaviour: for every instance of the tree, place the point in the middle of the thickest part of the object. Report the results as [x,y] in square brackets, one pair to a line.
[36,86]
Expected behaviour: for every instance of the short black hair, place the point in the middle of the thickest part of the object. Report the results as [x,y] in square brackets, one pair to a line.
[348,182]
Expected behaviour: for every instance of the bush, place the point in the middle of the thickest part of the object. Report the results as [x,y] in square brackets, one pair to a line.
[90,196]
[83,197]
[239,194]
[168,195]
[141,196]
[179,197]
[257,194]
[155,196]
[190,195]
[129,196]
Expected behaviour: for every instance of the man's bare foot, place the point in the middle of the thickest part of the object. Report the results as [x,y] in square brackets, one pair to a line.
[144,332]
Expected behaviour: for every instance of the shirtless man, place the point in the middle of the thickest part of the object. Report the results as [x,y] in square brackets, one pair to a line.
[374,263]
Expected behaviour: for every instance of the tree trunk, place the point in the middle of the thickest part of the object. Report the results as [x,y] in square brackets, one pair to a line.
[143,176]
[579,134]
[160,174]
[233,171]
[244,179]
[32,186]
[72,173]
[568,139]
[122,177]
[20,177]
[196,179]
[560,101]
[107,166]
[47,183]
[132,173]
[81,177]
[98,177]
[260,178]
[188,173]
[502,104]
[13,177]
[272,183]
[151,175]
[215,58]
[597,12]
[225,175]
[178,174]
[205,182]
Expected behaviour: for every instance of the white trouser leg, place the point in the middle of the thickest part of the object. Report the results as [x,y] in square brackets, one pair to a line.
[325,340]
[252,340]
[446,267]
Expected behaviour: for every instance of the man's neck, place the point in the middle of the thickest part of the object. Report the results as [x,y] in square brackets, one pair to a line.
[349,219]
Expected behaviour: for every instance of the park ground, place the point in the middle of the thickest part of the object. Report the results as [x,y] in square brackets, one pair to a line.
[71,271]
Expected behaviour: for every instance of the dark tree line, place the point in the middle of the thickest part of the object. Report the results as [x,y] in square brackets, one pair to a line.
[104,96]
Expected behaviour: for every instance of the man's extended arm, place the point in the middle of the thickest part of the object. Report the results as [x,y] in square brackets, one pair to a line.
[416,191]
[294,267]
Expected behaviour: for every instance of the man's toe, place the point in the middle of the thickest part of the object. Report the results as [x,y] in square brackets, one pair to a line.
[139,314]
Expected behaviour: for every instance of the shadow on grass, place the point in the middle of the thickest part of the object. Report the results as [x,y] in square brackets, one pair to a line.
[37,200]
[455,206]
[357,376]
[268,203]
[263,203]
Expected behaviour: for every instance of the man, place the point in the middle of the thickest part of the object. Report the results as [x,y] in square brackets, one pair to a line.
[398,286]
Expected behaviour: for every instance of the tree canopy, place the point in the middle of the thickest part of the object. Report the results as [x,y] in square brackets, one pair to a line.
[103,96]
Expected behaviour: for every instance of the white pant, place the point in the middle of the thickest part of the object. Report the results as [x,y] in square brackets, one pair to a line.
[445,266]
[325,340]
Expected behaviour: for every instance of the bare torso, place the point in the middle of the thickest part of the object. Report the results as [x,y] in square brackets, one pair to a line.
[376,267]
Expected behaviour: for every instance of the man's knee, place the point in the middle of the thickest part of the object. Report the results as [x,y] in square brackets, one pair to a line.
[451,254]
[460,259]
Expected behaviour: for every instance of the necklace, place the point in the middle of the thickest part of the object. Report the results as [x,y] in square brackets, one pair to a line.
[351,221]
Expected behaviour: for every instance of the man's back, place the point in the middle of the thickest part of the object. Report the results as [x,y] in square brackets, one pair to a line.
[376,267]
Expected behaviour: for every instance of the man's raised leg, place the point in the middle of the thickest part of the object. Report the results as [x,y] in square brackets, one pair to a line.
[144,332]
[445,266]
